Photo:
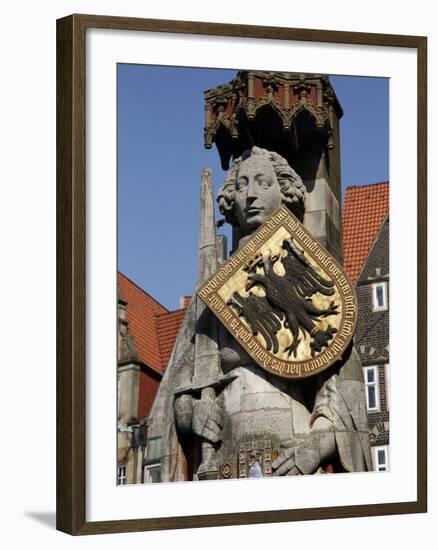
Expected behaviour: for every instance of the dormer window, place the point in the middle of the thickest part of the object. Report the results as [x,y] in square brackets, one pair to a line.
[380,297]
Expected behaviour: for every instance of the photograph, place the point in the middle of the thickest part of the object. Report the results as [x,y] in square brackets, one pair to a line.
[253,238]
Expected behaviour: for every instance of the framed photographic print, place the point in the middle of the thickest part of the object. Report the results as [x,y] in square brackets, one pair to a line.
[270,343]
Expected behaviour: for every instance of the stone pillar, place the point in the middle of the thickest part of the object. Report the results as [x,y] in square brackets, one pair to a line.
[129,380]
[323,209]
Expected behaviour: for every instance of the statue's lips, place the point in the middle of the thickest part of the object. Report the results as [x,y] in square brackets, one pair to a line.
[253,211]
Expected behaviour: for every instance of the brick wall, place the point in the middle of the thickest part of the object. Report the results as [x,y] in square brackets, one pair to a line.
[372,332]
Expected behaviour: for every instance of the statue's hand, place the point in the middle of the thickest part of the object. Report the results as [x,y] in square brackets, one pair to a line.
[297,460]
[207,419]
[183,409]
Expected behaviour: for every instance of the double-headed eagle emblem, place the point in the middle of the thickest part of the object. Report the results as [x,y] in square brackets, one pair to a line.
[287,299]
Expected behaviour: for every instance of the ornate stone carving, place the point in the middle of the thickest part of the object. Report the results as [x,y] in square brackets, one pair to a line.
[255,459]
[230,106]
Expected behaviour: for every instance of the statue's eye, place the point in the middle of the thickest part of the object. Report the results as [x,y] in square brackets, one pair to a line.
[241,184]
[264,182]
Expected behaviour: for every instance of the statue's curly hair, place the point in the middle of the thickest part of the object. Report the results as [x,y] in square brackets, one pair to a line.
[291,185]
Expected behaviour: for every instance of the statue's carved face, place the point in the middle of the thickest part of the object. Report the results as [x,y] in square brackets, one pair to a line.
[257,194]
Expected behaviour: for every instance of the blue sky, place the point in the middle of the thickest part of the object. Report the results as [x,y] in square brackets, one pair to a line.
[161,156]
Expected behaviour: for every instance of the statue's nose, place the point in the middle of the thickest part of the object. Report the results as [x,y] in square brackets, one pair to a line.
[252,189]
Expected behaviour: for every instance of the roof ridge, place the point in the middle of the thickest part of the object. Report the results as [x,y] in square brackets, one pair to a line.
[367,185]
[144,292]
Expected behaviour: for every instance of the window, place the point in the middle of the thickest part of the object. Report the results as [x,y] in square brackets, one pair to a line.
[372,388]
[153,460]
[380,299]
[153,473]
[153,450]
[381,458]
[121,474]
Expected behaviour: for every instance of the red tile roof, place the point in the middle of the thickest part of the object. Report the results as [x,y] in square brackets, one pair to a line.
[167,328]
[153,327]
[365,208]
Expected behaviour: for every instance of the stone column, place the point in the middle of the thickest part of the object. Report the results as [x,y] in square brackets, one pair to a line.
[323,212]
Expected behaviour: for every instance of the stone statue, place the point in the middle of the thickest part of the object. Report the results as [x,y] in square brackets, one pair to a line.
[230,418]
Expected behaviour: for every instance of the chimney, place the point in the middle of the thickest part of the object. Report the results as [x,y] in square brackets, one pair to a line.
[184,301]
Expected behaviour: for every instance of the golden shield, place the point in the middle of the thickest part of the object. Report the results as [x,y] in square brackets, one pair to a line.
[285,299]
